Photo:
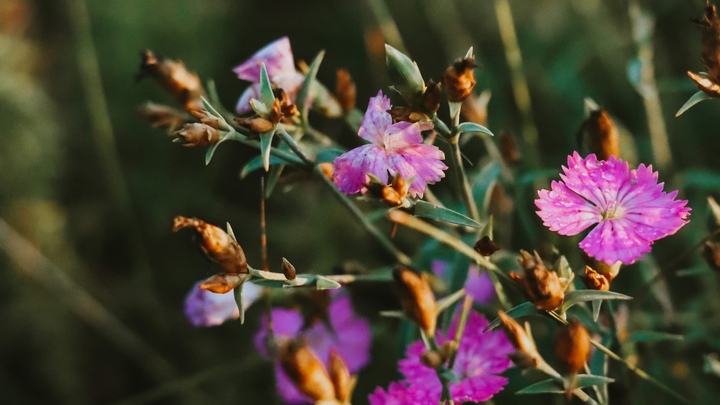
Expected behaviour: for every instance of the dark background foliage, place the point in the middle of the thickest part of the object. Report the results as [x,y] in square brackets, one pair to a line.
[92,277]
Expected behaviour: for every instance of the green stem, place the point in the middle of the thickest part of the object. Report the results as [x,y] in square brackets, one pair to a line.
[445,396]
[467,305]
[282,154]
[290,141]
[456,159]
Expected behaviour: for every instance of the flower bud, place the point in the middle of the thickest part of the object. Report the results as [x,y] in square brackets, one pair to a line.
[224,282]
[176,79]
[208,119]
[255,124]
[196,134]
[526,355]
[541,285]
[405,76]
[459,79]
[162,116]
[594,280]
[431,98]
[216,244]
[417,299]
[345,90]
[600,135]
[485,246]
[305,370]
[288,269]
[572,346]
[343,382]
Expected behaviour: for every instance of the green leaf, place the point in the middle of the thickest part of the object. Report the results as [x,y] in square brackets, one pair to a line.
[696,98]
[530,177]
[549,386]
[483,185]
[455,112]
[257,163]
[587,380]
[702,179]
[266,94]
[303,97]
[425,209]
[272,179]
[211,150]
[694,271]
[524,309]
[473,127]
[238,299]
[650,336]
[596,306]
[574,297]
[265,145]
[324,283]
[327,155]
[444,303]
[404,75]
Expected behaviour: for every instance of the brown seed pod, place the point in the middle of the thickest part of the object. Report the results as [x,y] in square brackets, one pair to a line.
[345,90]
[541,285]
[216,244]
[417,299]
[572,346]
[710,25]
[174,76]
[600,135]
[459,79]
[431,98]
[526,355]
[343,382]
[196,134]
[711,254]
[224,282]
[162,116]
[594,280]
[306,370]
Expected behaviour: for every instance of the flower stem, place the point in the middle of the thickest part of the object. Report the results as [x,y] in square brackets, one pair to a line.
[467,305]
[440,370]
[290,141]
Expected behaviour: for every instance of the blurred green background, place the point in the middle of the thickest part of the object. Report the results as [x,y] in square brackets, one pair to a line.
[93,278]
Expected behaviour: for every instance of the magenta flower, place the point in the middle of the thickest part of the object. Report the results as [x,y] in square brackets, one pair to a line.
[393,148]
[630,207]
[350,338]
[480,358]
[478,284]
[280,66]
[205,308]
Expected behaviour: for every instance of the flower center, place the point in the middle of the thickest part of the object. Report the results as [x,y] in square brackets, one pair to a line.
[614,210]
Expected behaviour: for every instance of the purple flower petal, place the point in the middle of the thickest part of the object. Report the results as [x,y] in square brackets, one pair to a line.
[205,308]
[352,168]
[278,59]
[565,212]
[376,119]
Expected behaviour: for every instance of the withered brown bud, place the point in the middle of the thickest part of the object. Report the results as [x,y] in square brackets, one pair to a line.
[509,149]
[345,90]
[224,282]
[606,270]
[216,244]
[432,359]
[401,113]
[705,83]
[600,135]
[395,193]
[431,98]
[459,79]
[711,254]
[162,116]
[288,269]
[572,346]
[306,371]
[343,382]
[206,118]
[282,106]
[176,79]
[541,285]
[526,355]
[711,42]
[255,124]
[196,134]
[485,246]
[417,299]
[594,280]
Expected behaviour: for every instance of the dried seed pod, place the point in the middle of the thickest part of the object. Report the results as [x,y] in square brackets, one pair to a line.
[594,280]
[710,25]
[162,116]
[224,282]
[174,76]
[485,246]
[459,79]
[216,244]
[288,269]
[417,299]
[255,124]
[572,346]
[345,90]
[343,382]
[599,134]
[306,370]
[526,355]
[196,134]
[431,98]
[541,285]
[206,118]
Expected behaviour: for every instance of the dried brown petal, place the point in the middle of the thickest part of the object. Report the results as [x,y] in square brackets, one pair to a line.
[526,355]
[541,285]
[223,283]
[706,84]
[216,244]
[306,371]
[600,135]
[417,299]
[342,380]
[594,280]
[572,346]
[459,79]
[196,134]
[345,90]
[174,76]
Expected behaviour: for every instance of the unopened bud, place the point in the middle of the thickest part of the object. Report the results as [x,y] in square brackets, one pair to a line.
[174,76]
[431,98]
[216,244]
[196,134]
[526,355]
[600,135]
[343,382]
[255,124]
[208,119]
[391,196]
[162,116]
[485,246]
[345,90]
[541,285]
[405,76]
[572,346]
[223,283]
[288,269]
[594,280]
[306,371]
[459,79]
[417,299]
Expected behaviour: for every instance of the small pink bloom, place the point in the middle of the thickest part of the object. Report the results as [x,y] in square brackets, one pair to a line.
[205,308]
[630,207]
[280,65]
[349,337]
[393,148]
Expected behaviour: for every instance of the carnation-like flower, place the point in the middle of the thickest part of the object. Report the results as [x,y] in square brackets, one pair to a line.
[280,66]
[393,148]
[479,284]
[479,360]
[206,308]
[630,207]
[348,335]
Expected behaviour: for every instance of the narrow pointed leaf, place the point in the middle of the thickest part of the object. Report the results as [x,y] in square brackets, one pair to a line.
[303,97]
[455,111]
[574,297]
[444,303]
[392,314]
[265,145]
[596,305]
[425,209]
[327,155]
[272,179]
[549,386]
[650,336]
[473,127]
[238,299]
[694,271]
[211,150]
[524,309]
[696,98]
[266,94]
[483,185]
[324,283]
[256,163]
[587,380]
[230,231]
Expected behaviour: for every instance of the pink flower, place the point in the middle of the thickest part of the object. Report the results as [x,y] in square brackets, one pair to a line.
[349,337]
[280,66]
[393,148]
[205,308]
[630,207]
[480,358]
